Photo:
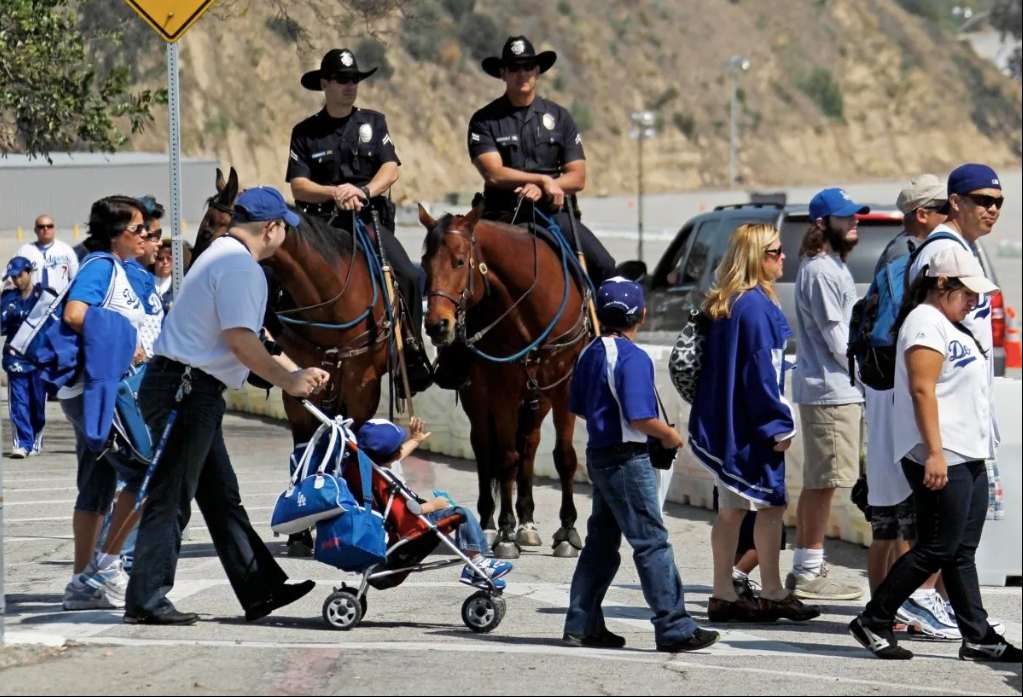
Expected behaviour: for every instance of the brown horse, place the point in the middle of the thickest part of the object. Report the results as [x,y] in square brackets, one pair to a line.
[500,288]
[328,286]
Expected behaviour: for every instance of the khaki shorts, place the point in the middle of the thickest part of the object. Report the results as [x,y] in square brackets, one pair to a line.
[729,499]
[832,443]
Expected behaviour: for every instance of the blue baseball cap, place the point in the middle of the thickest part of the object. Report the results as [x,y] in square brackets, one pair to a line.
[17,266]
[834,202]
[972,177]
[620,302]
[381,439]
[261,203]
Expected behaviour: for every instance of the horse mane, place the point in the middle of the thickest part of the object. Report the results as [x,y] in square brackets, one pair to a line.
[329,242]
[435,235]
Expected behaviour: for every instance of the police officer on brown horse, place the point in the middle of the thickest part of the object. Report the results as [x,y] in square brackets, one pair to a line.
[342,164]
[529,150]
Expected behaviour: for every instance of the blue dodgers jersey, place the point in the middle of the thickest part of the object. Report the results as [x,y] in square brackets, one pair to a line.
[613,385]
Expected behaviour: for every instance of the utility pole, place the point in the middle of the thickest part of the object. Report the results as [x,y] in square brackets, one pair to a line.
[644,127]
[736,65]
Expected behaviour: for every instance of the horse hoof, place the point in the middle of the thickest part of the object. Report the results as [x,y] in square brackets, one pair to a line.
[506,550]
[565,550]
[491,536]
[574,539]
[528,537]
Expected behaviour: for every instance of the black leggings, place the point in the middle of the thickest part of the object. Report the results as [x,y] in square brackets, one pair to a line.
[949,525]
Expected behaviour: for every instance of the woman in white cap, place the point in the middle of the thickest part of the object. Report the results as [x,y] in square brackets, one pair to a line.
[942,436]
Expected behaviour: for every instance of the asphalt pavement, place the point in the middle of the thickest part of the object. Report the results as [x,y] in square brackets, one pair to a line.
[412,639]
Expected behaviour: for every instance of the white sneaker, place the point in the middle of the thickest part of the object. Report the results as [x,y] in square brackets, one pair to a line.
[19,454]
[926,617]
[112,582]
[995,624]
[78,595]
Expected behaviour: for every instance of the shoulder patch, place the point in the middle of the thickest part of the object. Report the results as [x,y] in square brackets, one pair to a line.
[387,138]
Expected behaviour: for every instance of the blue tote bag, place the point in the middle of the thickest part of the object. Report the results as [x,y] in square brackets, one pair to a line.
[355,540]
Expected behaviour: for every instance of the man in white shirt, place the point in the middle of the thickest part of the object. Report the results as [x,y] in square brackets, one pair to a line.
[210,342]
[54,263]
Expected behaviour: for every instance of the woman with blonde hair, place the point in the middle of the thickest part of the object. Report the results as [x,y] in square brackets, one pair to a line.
[741,425]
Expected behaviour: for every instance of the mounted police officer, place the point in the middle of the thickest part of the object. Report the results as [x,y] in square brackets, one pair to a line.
[342,163]
[529,149]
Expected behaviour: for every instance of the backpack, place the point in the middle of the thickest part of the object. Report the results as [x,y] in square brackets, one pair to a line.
[871,329]
[686,360]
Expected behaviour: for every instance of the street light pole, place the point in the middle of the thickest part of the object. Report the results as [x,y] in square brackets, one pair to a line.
[644,127]
[736,64]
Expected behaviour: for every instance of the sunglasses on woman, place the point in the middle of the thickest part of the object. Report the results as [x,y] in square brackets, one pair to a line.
[138,229]
[774,252]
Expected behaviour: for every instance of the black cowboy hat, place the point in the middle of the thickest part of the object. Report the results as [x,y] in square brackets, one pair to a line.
[518,49]
[338,61]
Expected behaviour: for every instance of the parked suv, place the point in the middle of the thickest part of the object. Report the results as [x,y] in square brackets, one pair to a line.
[686,271]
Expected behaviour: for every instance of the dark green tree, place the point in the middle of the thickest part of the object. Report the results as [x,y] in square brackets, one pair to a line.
[53,97]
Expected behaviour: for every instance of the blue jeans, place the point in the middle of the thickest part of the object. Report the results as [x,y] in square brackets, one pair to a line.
[469,537]
[625,502]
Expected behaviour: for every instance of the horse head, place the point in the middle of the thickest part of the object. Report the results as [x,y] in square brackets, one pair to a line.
[219,207]
[451,265]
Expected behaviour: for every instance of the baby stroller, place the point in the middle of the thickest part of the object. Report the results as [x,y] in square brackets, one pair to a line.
[411,537]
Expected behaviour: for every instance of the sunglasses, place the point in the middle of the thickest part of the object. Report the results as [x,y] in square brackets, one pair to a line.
[45,226]
[154,237]
[774,251]
[139,229]
[985,201]
[343,79]
[520,67]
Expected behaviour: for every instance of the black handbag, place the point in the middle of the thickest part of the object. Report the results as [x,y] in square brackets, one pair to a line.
[660,457]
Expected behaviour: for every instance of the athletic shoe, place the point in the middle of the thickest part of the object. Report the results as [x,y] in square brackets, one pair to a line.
[746,587]
[602,640]
[494,568]
[700,639]
[111,581]
[19,454]
[880,641]
[80,596]
[822,587]
[994,649]
[471,578]
[926,618]
[996,625]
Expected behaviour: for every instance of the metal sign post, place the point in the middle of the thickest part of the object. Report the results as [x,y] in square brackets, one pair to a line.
[644,127]
[174,146]
[3,602]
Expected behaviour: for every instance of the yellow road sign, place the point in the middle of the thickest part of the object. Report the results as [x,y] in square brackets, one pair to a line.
[170,18]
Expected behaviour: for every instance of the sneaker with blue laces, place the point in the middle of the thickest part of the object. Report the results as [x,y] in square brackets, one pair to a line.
[996,625]
[925,617]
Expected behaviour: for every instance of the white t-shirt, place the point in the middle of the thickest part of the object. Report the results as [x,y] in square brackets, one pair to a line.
[963,389]
[224,289]
[886,484]
[57,259]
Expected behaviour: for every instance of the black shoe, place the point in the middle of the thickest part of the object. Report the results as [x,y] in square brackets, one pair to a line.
[880,641]
[420,373]
[285,594]
[994,649]
[700,639]
[300,544]
[602,640]
[166,617]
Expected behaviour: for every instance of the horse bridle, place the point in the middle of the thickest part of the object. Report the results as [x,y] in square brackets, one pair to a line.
[461,301]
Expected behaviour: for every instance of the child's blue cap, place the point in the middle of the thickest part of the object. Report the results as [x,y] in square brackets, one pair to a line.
[620,302]
[381,439]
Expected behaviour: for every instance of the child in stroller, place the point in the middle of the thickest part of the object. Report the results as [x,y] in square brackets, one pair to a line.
[387,444]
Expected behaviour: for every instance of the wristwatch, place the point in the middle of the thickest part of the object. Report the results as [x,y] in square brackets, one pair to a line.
[365,190]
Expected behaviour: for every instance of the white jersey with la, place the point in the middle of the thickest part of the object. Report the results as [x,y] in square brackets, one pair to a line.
[53,265]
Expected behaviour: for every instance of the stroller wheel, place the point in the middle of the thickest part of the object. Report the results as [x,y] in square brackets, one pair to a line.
[482,612]
[341,610]
[363,601]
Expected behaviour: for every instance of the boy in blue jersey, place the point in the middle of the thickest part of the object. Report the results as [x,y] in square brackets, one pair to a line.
[613,390]
[26,396]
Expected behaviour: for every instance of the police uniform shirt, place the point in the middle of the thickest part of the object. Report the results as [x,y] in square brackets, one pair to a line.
[540,138]
[349,150]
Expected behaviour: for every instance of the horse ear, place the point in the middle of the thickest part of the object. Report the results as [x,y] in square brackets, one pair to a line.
[473,216]
[425,218]
[220,183]
[231,190]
